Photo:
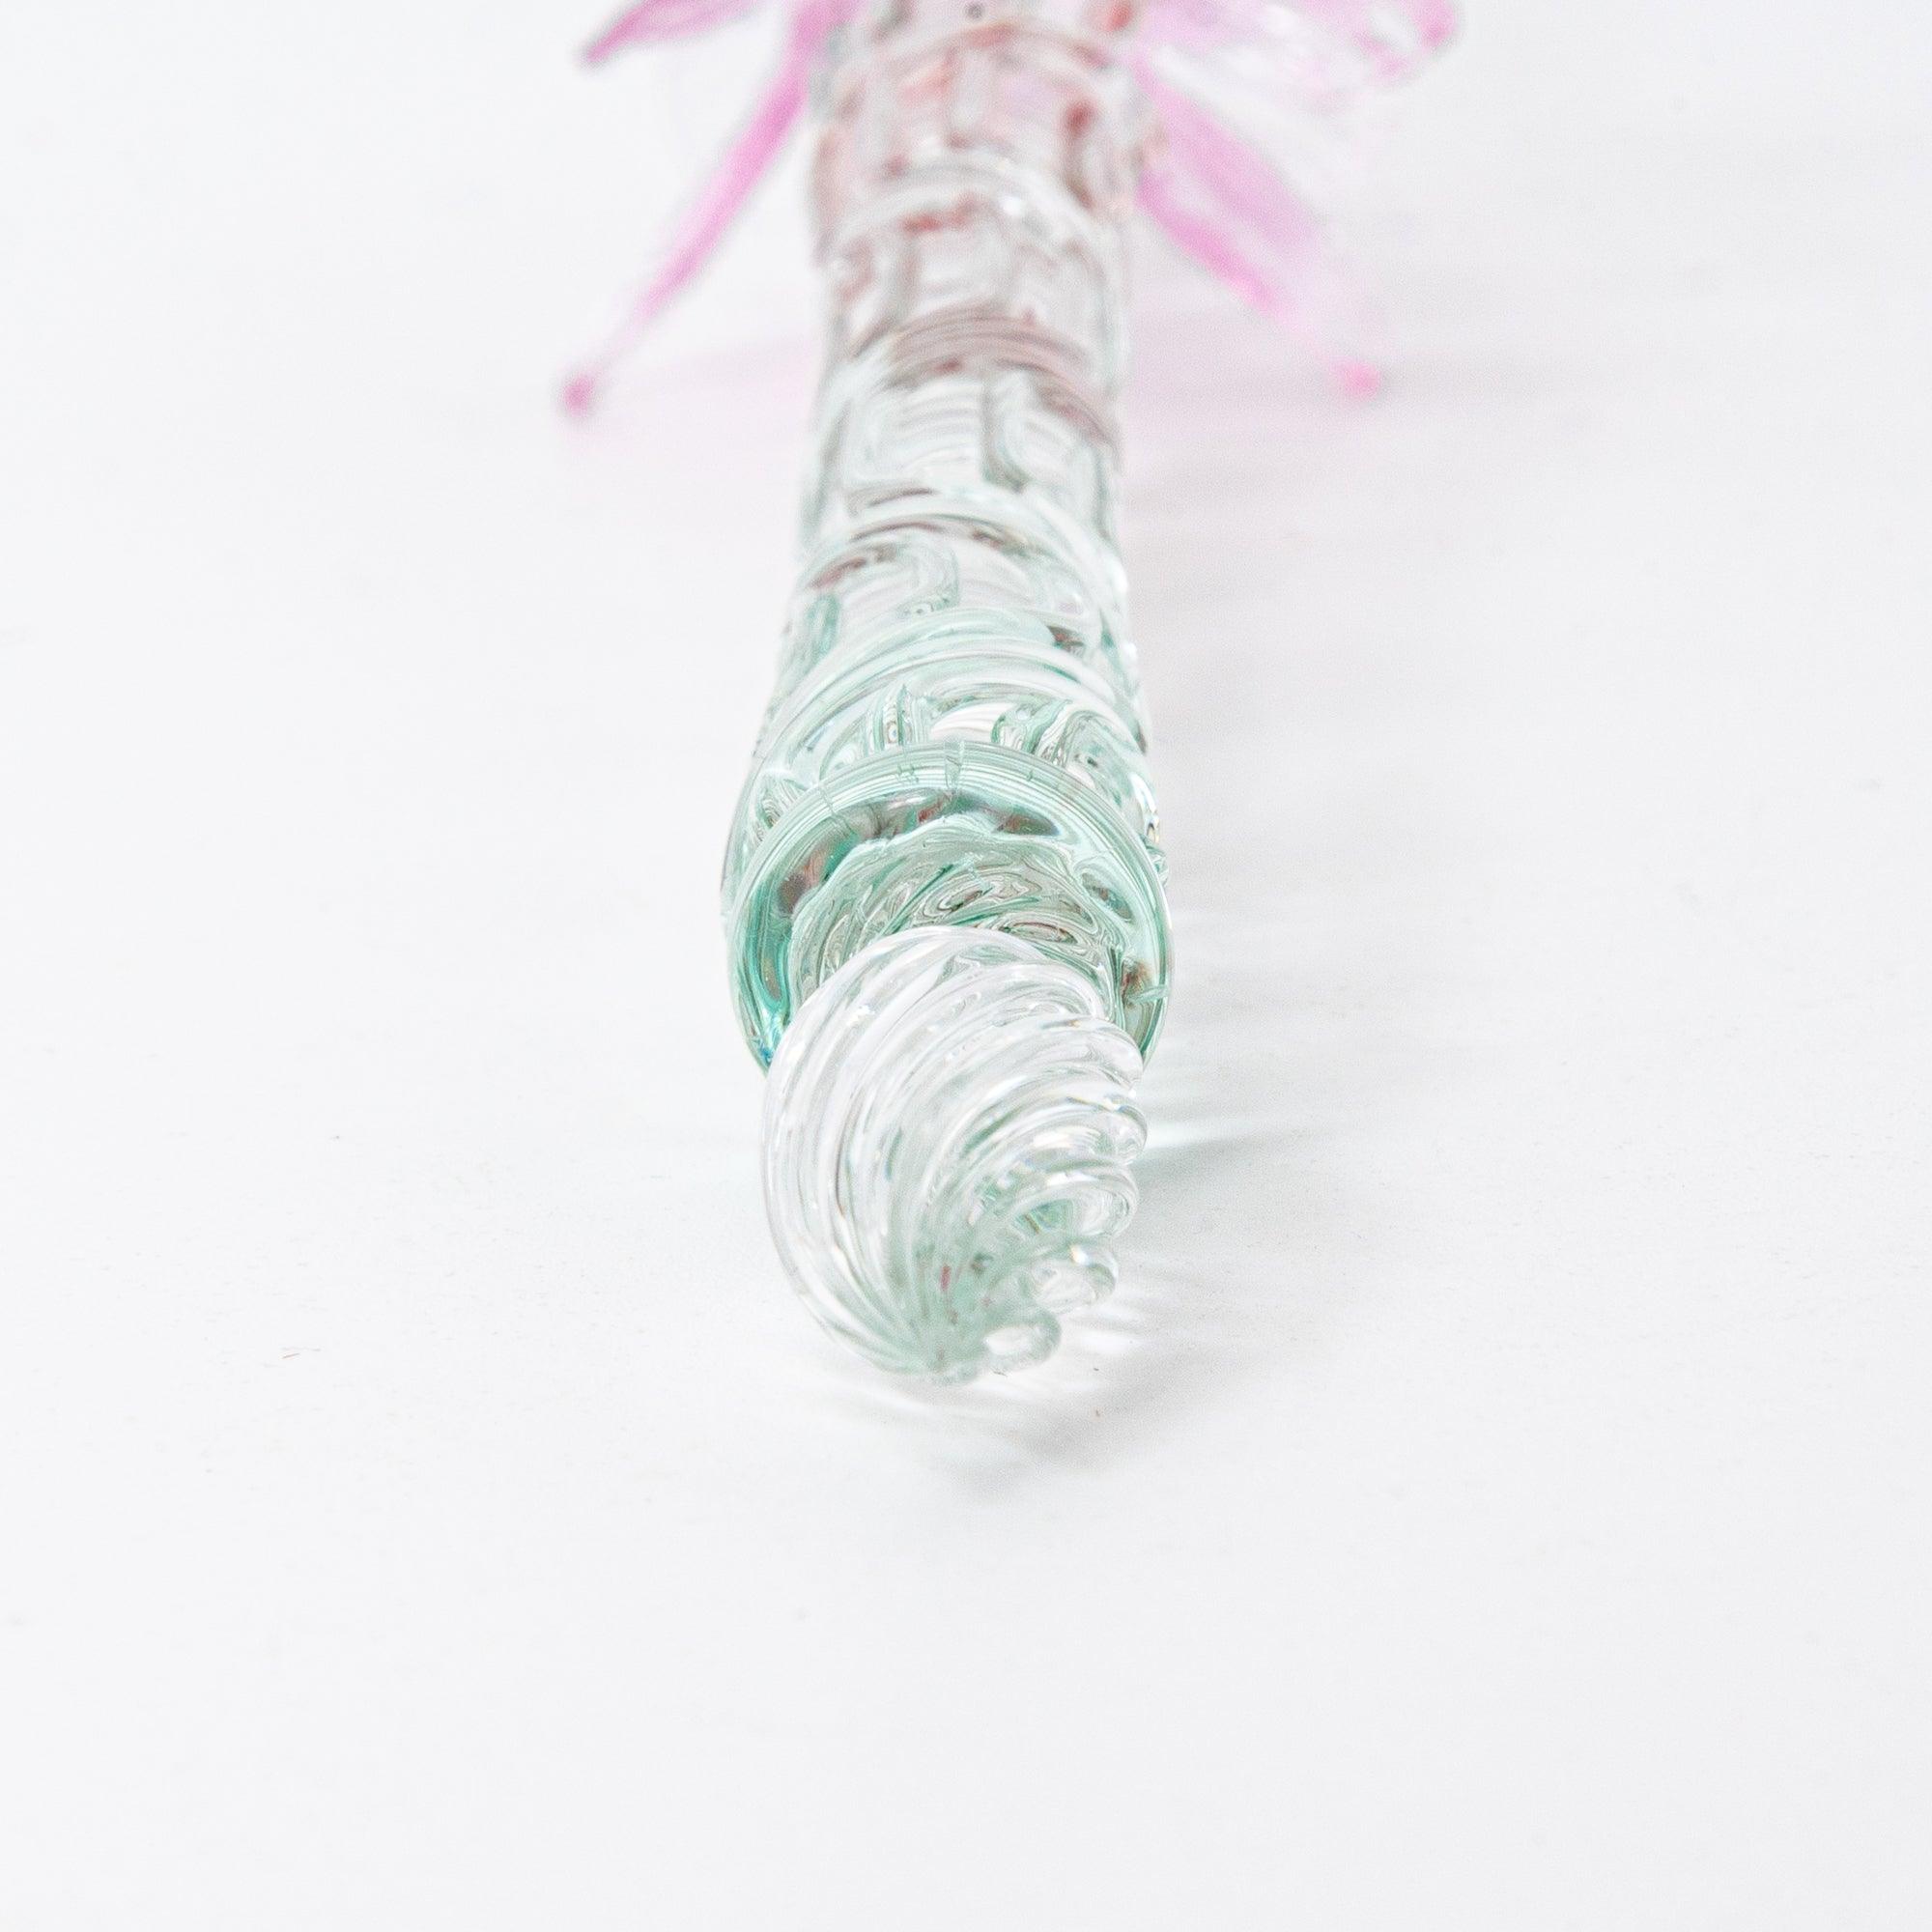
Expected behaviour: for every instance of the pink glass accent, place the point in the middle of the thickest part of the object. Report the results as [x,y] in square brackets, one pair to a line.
[1221,203]
[654,20]
[744,164]
[1215,194]
[1394,36]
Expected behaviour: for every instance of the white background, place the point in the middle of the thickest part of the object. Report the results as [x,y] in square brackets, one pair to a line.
[1497,1498]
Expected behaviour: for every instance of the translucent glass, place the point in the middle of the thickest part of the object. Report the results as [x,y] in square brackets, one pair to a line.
[956,738]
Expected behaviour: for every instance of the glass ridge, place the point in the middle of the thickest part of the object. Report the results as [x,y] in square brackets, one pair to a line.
[956,737]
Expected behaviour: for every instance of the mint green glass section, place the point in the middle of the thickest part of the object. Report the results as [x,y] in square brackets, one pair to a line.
[956,735]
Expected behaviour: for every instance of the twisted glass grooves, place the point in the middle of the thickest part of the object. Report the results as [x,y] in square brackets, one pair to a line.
[956,738]
[947,1130]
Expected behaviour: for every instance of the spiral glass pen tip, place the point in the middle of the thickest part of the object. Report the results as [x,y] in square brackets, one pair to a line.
[943,891]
